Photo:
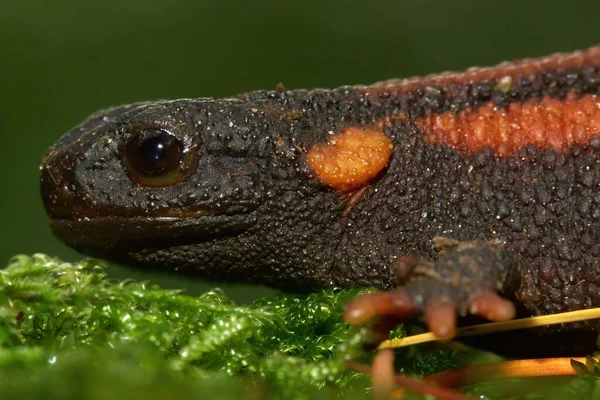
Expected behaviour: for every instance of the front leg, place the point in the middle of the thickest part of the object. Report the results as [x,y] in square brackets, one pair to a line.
[467,277]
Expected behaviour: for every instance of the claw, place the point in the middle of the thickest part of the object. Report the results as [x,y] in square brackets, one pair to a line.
[464,278]
[493,307]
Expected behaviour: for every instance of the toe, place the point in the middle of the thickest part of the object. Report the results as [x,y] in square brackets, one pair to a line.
[493,307]
[440,316]
[382,373]
[368,306]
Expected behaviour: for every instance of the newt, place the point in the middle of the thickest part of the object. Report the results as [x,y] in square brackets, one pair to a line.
[461,192]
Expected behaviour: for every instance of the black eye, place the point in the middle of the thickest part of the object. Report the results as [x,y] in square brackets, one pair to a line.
[156,157]
[155,152]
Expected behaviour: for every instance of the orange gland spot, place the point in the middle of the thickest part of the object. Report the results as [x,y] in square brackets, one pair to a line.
[351,158]
[546,123]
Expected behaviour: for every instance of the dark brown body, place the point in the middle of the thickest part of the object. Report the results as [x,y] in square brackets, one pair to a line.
[248,205]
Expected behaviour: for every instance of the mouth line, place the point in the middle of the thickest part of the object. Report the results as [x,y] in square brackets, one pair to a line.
[109,234]
[173,214]
[77,212]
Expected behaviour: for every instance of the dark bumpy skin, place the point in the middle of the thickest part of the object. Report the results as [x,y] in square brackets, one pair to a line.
[247,206]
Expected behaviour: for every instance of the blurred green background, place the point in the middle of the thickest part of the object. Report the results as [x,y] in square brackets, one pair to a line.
[61,60]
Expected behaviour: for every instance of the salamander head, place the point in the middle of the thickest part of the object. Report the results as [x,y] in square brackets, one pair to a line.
[198,185]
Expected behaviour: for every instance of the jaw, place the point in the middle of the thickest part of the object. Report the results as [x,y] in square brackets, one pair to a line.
[116,236]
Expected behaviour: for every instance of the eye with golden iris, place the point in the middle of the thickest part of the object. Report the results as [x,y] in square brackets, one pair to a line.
[155,157]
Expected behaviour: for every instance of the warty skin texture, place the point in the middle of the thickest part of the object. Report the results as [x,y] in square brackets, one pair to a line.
[251,209]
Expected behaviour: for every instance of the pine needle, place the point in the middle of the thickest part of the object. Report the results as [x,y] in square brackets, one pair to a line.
[472,374]
[492,327]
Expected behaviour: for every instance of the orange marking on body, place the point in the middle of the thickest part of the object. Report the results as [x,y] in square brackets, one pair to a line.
[547,123]
[351,158]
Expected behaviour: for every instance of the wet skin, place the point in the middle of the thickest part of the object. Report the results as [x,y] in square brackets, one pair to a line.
[232,189]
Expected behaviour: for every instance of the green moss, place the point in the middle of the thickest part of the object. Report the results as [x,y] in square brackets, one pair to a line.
[67,324]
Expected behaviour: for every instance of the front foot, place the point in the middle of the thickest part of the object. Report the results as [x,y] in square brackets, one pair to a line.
[465,278]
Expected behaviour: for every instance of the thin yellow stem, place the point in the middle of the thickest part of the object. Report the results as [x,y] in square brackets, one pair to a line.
[522,323]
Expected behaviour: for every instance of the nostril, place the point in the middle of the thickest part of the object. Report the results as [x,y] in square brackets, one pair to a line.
[51,175]
[48,184]
[57,193]
[65,193]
